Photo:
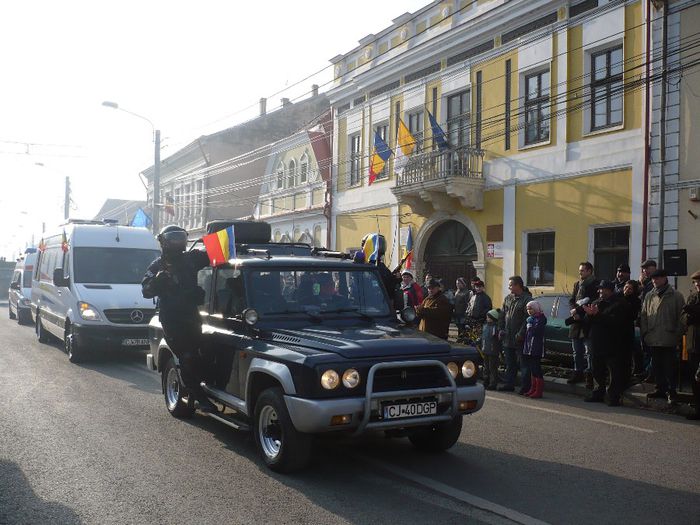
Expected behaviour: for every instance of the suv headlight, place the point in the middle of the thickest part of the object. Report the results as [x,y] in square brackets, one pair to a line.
[330,379]
[454,370]
[468,369]
[351,378]
[88,312]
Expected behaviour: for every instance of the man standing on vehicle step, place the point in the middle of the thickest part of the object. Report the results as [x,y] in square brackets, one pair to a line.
[172,278]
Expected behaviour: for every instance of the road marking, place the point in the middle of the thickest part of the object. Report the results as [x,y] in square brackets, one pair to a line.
[569,414]
[447,490]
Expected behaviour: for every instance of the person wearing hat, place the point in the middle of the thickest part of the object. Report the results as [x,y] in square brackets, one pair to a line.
[491,348]
[604,320]
[621,278]
[646,285]
[691,322]
[512,328]
[661,330]
[410,291]
[435,312]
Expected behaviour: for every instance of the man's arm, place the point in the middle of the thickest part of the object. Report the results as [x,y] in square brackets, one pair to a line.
[153,281]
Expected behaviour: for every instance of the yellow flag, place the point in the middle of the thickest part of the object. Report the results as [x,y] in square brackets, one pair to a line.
[405,144]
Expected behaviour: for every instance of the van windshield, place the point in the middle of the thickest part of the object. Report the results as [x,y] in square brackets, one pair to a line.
[111,265]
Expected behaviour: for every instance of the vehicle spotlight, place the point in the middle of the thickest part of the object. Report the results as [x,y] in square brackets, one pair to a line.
[330,379]
[468,369]
[453,368]
[351,378]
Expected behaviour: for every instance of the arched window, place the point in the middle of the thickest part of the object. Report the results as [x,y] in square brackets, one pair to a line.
[285,238]
[280,176]
[291,174]
[318,241]
[304,168]
[306,238]
[277,236]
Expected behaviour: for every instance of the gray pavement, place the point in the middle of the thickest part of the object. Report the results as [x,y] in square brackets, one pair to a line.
[94,444]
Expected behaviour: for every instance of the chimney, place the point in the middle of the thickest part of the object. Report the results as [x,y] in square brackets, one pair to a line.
[263,106]
[285,102]
[314,90]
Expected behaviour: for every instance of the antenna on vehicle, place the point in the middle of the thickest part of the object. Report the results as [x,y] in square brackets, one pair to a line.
[117,237]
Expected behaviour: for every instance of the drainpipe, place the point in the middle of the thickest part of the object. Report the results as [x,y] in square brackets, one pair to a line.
[662,135]
[647,135]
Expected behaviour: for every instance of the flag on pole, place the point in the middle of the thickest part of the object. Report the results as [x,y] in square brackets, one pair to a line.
[380,155]
[408,251]
[371,248]
[438,133]
[42,245]
[405,144]
[141,219]
[221,246]
[64,241]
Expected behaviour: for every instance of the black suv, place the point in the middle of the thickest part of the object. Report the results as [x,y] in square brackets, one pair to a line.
[298,342]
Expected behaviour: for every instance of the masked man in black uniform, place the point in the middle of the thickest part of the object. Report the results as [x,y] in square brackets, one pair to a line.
[172,278]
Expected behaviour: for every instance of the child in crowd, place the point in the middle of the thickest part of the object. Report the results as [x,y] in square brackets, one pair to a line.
[533,350]
[491,347]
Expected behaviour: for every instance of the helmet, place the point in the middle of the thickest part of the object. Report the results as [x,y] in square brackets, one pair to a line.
[172,239]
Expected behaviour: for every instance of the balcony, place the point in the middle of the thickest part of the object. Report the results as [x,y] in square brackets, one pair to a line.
[442,181]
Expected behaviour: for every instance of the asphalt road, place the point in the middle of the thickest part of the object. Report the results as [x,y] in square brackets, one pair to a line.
[94,444]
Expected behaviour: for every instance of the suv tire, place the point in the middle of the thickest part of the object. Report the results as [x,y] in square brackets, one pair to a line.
[282,447]
[76,352]
[438,437]
[177,401]
[41,335]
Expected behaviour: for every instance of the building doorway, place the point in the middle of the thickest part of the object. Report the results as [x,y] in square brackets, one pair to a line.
[450,253]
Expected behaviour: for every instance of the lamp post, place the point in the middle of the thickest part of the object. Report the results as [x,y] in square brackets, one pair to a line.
[155,214]
[66,195]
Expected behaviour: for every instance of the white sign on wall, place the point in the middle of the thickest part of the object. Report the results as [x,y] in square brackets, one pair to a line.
[403,236]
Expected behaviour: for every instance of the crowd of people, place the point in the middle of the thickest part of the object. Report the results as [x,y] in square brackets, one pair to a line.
[605,316]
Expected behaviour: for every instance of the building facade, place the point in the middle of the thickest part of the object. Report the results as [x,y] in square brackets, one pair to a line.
[541,103]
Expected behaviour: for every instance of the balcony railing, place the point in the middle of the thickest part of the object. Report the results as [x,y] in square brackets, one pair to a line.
[463,161]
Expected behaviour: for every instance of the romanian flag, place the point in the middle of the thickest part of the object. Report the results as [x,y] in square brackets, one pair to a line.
[64,242]
[438,134]
[405,144]
[221,246]
[371,248]
[380,155]
[408,251]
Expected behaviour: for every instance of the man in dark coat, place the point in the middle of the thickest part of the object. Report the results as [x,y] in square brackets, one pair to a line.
[621,278]
[647,268]
[512,326]
[435,312]
[584,292]
[691,320]
[172,278]
[605,320]
[479,305]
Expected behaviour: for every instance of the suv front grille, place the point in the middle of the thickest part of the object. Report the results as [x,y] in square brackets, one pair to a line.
[392,379]
[129,315]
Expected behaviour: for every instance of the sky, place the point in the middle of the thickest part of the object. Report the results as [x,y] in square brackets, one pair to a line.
[191,68]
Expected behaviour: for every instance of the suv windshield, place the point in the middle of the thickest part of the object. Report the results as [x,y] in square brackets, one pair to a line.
[111,265]
[317,292]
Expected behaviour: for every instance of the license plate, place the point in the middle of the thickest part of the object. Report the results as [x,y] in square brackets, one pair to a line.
[418,409]
[134,342]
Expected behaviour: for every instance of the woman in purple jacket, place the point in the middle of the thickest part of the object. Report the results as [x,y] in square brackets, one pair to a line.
[533,350]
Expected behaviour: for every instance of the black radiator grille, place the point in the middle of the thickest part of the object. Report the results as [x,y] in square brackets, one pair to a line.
[129,315]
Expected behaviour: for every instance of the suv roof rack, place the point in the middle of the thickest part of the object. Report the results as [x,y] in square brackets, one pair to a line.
[82,221]
[325,252]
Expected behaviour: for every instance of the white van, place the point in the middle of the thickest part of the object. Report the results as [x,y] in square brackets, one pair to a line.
[86,287]
[20,292]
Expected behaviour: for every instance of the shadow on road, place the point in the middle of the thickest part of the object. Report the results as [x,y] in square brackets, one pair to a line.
[129,367]
[19,503]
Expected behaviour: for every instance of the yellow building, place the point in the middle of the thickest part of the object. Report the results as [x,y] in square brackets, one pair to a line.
[542,106]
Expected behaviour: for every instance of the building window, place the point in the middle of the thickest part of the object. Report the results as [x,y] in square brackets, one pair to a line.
[458,119]
[540,259]
[383,131]
[611,247]
[478,110]
[606,88]
[304,169]
[415,126]
[280,177]
[537,107]
[355,158]
[291,174]
[507,108]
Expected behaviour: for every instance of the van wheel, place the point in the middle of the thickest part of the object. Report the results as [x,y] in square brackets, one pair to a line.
[176,399]
[282,447]
[41,335]
[439,437]
[76,353]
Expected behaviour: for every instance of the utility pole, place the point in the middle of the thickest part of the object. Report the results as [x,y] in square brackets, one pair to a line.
[156,184]
[66,200]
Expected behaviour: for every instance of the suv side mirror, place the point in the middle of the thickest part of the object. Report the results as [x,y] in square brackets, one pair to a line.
[14,286]
[59,279]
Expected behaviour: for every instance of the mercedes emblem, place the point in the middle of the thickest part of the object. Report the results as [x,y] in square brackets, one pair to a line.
[136,316]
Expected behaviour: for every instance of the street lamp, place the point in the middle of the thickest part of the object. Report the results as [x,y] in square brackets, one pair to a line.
[156,163]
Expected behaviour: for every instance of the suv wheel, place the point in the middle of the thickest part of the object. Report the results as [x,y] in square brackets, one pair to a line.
[282,447]
[176,400]
[41,335]
[12,316]
[438,437]
[76,353]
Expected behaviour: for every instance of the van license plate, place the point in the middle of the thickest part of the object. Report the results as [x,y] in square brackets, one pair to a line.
[134,342]
[421,408]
